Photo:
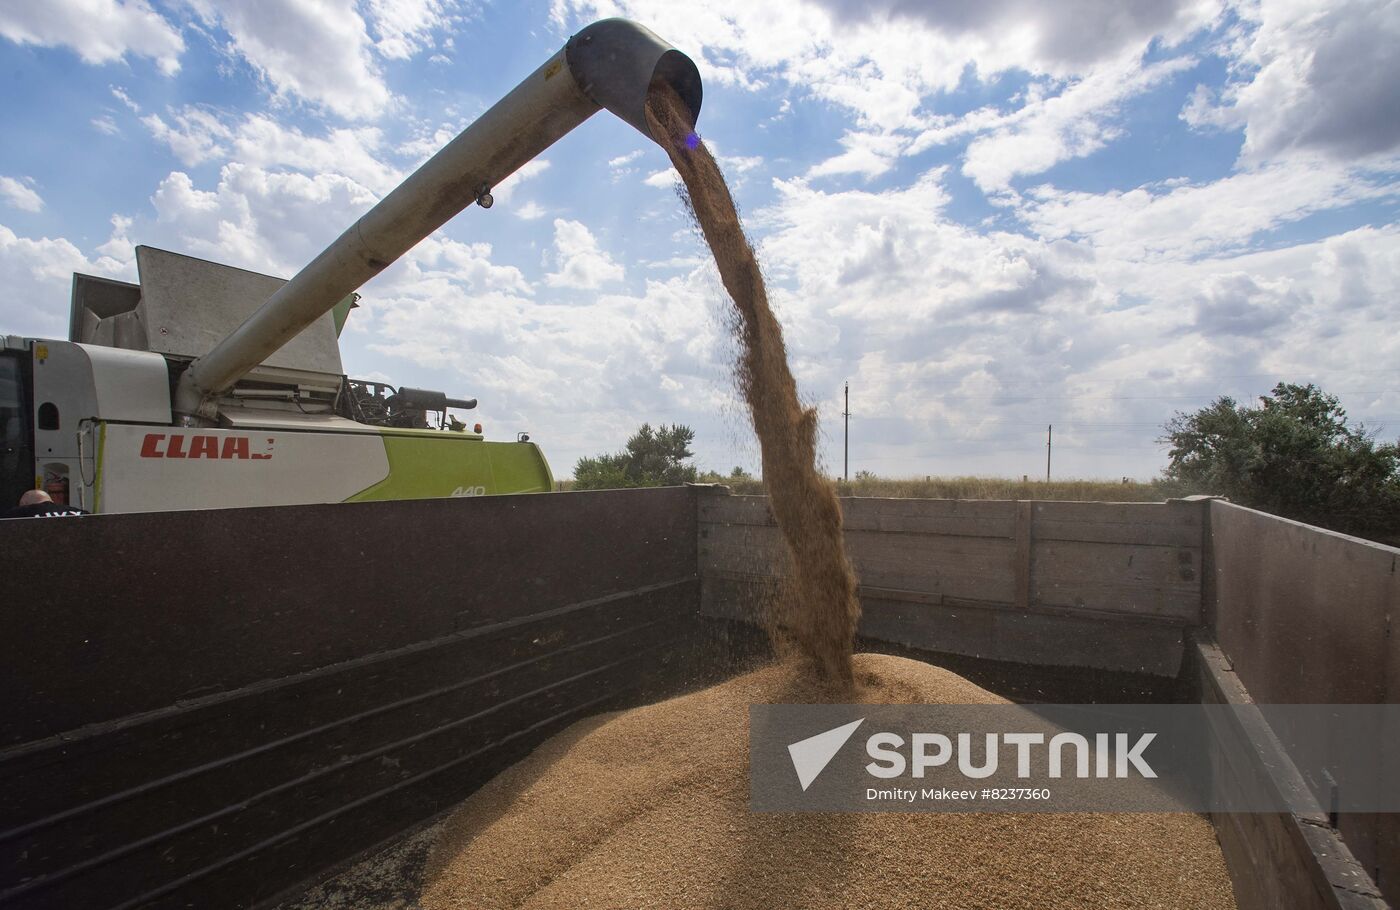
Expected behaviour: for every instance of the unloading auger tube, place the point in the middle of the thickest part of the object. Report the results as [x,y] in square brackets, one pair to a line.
[610,64]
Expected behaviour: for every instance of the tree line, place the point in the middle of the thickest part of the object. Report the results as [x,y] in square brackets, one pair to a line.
[1294,454]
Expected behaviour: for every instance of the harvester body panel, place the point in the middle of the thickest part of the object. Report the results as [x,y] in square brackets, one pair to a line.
[143,468]
[92,425]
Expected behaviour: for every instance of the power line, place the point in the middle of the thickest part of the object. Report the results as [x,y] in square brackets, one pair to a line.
[894,369]
[846,464]
[1112,424]
[1022,399]
[1001,450]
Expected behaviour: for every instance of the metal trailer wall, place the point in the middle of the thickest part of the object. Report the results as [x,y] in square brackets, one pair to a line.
[205,708]
[1104,585]
[1276,859]
[1307,616]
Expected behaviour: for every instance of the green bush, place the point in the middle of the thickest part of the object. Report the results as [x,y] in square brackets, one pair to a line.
[1294,456]
[653,458]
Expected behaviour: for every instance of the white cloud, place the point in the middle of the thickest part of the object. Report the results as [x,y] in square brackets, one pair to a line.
[405,27]
[99,31]
[439,261]
[426,141]
[887,62]
[106,125]
[1237,304]
[503,191]
[37,275]
[883,60]
[893,255]
[530,211]
[255,219]
[920,313]
[1061,38]
[737,169]
[1048,130]
[275,223]
[1203,113]
[580,263]
[876,71]
[962,345]
[664,179]
[119,247]
[263,142]
[621,358]
[1174,222]
[624,160]
[624,165]
[257,140]
[20,194]
[195,137]
[1312,77]
[120,94]
[688,263]
[316,50]
[869,154]
[740,164]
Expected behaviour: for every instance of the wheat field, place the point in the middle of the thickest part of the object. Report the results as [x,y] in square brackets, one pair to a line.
[992,488]
[975,488]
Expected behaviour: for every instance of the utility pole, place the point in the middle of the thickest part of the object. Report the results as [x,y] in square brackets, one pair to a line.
[846,461]
[1049,437]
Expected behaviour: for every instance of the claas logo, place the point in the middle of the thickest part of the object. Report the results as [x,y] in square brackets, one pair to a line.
[174,445]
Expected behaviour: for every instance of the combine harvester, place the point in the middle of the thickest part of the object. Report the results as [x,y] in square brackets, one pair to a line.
[207,386]
[89,420]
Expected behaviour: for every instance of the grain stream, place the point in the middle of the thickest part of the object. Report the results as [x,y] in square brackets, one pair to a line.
[818,609]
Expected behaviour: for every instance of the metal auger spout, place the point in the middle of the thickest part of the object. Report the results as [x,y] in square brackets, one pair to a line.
[610,64]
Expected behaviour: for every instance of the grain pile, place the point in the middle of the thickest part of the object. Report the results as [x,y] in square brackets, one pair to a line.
[649,808]
[818,610]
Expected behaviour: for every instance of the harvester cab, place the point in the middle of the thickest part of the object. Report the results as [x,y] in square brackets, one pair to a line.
[206,386]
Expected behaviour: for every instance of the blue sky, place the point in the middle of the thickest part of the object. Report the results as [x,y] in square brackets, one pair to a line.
[986,217]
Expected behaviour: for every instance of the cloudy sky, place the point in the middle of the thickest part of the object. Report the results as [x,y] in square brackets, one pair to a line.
[986,216]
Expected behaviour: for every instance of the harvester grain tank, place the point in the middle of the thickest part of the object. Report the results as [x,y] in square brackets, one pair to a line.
[207,386]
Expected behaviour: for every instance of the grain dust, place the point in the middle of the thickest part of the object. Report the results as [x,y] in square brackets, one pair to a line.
[819,609]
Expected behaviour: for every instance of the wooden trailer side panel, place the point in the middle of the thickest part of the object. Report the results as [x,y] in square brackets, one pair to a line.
[1103,585]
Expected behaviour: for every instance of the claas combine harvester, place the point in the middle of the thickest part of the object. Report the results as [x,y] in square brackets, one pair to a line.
[90,419]
[207,386]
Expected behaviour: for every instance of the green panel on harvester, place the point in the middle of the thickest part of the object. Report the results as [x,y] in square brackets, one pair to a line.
[429,464]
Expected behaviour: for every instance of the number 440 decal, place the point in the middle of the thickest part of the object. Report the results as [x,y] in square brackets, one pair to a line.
[469,491]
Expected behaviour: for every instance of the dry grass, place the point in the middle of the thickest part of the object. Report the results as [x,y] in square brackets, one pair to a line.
[1006,488]
[980,488]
